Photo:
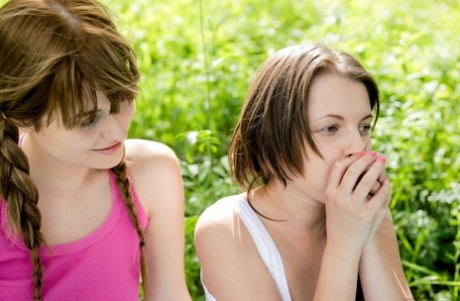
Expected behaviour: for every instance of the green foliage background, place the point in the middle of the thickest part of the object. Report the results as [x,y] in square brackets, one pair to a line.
[198,57]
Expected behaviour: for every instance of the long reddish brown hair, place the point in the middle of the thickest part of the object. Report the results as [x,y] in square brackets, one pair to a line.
[54,56]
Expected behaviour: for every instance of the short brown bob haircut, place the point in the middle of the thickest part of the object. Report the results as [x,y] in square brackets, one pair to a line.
[269,139]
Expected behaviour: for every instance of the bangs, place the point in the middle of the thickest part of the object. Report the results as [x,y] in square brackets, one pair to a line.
[65,54]
[105,63]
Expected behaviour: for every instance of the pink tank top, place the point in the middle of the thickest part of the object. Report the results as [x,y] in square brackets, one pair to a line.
[102,266]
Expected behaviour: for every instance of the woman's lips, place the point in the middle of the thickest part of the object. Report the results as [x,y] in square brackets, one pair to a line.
[109,150]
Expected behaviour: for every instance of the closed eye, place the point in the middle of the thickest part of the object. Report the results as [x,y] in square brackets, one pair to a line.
[90,121]
[87,124]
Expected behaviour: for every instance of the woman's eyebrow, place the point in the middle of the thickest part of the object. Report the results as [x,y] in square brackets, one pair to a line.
[340,117]
[367,117]
[331,116]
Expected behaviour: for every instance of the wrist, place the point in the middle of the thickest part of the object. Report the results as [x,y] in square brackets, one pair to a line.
[372,243]
[371,251]
[344,250]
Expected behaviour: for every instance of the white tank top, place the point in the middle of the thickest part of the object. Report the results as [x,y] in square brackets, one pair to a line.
[265,245]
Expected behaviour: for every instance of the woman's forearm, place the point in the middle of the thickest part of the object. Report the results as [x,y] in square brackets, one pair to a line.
[377,273]
[338,276]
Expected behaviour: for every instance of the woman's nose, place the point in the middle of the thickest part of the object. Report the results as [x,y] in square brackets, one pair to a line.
[356,143]
[114,128]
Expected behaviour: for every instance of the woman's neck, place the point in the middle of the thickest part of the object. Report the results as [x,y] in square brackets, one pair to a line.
[294,211]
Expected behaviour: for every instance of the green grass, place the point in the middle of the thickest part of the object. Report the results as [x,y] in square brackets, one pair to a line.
[198,57]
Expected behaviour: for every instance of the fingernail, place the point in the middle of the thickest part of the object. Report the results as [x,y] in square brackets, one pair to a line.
[360,154]
[382,159]
[373,154]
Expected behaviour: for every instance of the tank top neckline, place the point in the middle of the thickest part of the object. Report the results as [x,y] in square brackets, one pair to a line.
[81,243]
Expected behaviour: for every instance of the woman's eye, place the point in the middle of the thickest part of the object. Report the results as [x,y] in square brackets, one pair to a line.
[330,129]
[88,123]
[365,128]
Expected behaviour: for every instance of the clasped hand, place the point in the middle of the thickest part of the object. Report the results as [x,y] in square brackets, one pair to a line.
[357,198]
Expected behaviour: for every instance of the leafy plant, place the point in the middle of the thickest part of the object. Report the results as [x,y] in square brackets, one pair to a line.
[197,59]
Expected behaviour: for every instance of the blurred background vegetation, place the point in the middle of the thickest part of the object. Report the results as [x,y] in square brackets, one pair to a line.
[198,57]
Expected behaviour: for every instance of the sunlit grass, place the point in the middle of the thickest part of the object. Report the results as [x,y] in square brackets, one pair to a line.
[197,62]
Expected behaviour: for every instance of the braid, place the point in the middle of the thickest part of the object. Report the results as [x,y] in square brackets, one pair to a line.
[21,197]
[124,186]
[37,274]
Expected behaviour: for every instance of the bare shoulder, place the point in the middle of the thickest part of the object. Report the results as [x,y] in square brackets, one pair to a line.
[155,171]
[219,226]
[223,243]
[217,222]
[220,215]
[217,233]
[139,150]
[148,158]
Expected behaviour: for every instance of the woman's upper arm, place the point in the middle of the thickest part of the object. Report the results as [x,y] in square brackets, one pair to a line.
[157,178]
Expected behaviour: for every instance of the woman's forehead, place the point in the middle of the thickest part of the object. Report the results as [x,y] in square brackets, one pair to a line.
[336,95]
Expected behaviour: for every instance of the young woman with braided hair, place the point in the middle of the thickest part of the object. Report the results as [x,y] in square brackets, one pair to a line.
[82,207]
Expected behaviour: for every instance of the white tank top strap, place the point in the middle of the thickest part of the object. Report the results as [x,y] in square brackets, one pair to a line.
[265,245]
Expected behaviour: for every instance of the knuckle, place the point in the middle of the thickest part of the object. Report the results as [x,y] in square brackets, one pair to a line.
[354,170]
[367,182]
[339,165]
[330,194]
[375,187]
[363,216]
